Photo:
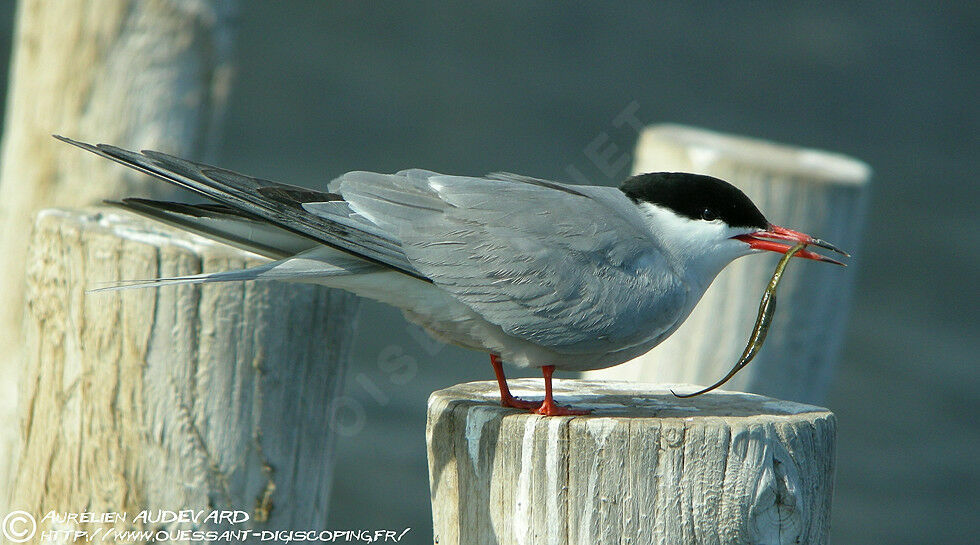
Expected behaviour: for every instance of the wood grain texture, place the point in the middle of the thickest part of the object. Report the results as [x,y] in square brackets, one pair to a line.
[820,193]
[136,73]
[186,397]
[644,468]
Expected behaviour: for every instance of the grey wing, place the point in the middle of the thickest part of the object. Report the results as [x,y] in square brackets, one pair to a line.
[282,206]
[222,223]
[562,266]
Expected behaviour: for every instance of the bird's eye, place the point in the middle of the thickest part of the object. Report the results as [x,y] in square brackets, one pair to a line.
[708,214]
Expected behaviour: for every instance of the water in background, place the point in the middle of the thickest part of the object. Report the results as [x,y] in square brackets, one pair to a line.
[523,87]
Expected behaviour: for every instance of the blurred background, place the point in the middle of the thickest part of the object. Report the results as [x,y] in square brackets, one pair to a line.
[325,88]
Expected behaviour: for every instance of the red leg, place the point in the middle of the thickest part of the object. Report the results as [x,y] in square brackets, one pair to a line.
[506,399]
[548,407]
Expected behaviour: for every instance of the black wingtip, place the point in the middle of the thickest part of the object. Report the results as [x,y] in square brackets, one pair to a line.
[66,140]
[76,143]
[126,202]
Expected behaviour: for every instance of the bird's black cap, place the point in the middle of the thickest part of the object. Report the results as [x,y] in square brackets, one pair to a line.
[695,196]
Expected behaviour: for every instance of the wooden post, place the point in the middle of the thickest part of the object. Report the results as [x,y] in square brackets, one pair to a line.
[186,397]
[140,74]
[645,467]
[820,193]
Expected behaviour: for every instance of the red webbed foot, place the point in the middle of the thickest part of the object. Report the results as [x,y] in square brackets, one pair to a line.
[518,403]
[507,400]
[550,408]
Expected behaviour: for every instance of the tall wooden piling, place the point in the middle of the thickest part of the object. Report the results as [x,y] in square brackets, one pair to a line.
[137,73]
[177,398]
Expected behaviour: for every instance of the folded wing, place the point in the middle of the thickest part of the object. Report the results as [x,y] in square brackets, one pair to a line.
[562,266]
[567,267]
[279,205]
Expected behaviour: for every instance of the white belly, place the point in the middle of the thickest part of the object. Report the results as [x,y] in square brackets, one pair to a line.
[451,321]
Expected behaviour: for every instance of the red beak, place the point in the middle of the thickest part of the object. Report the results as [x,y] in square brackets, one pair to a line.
[758,241]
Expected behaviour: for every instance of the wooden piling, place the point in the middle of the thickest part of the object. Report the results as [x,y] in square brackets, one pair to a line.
[177,398]
[137,73]
[644,467]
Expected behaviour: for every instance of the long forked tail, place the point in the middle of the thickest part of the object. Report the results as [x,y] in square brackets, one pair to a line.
[307,266]
[226,276]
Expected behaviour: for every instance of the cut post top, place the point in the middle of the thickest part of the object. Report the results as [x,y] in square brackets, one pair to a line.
[644,467]
[704,148]
[629,399]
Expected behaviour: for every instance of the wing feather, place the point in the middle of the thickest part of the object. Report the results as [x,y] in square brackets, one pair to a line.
[223,224]
[566,267]
[270,201]
[559,266]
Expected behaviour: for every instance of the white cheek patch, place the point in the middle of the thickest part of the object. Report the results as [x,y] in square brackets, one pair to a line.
[694,243]
[677,230]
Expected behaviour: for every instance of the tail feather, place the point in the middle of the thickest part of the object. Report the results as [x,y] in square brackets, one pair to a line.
[176,280]
[268,201]
[307,266]
[222,224]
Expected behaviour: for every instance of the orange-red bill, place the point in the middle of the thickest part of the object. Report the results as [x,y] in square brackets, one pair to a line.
[761,240]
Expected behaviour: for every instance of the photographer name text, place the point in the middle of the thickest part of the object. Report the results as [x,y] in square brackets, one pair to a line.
[156,516]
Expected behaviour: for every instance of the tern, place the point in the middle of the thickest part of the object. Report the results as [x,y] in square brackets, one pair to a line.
[536,273]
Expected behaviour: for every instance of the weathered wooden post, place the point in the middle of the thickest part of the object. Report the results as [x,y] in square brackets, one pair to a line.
[177,398]
[644,468]
[142,74]
[817,192]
